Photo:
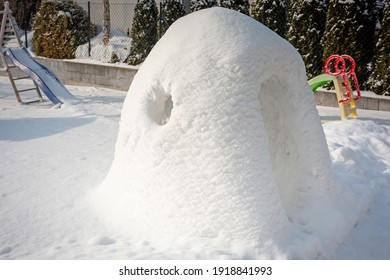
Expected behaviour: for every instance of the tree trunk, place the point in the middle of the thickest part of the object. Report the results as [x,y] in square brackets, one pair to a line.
[106,22]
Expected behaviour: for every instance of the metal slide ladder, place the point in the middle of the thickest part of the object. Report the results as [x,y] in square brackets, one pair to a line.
[344,91]
[9,32]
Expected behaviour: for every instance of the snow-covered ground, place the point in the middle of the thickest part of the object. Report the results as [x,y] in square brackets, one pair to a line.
[119,44]
[209,162]
[51,159]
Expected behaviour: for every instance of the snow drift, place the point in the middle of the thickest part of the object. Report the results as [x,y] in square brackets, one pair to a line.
[220,151]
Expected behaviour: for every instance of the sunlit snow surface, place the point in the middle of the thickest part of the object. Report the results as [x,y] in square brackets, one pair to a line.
[52,159]
[196,167]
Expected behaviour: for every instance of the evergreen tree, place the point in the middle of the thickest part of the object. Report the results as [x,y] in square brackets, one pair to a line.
[271,13]
[196,5]
[241,6]
[23,11]
[370,22]
[350,29]
[60,27]
[379,81]
[380,6]
[307,26]
[172,10]
[144,21]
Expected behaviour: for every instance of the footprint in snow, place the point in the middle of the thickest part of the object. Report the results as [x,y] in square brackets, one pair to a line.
[5,250]
[101,240]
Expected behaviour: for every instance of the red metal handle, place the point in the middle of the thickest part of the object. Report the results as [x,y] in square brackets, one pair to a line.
[342,72]
[352,61]
[353,75]
[337,72]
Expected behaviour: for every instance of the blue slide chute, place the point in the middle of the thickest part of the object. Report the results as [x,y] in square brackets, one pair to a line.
[50,85]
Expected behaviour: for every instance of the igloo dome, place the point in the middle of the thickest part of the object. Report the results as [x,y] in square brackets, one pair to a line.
[220,144]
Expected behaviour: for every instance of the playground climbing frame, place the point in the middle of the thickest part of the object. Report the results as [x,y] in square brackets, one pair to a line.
[345,74]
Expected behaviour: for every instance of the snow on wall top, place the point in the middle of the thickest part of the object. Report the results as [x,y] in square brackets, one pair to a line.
[220,144]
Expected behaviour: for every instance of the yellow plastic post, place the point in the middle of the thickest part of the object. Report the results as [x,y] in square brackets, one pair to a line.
[348,108]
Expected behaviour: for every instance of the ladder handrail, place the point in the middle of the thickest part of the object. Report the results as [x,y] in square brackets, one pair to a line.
[3,22]
[9,22]
[15,28]
[7,17]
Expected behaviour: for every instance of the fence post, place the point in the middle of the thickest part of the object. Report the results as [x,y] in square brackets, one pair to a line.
[89,29]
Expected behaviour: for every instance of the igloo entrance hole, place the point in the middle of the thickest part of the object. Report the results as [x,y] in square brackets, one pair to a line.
[161,108]
[278,117]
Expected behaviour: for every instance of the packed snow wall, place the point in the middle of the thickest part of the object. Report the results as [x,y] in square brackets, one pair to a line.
[220,144]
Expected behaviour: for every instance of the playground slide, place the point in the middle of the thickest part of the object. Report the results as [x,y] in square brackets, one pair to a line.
[46,80]
[320,80]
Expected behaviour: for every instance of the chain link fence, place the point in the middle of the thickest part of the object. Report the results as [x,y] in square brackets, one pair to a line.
[121,13]
[119,46]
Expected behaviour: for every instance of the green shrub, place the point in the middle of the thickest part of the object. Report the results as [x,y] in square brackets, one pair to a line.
[59,28]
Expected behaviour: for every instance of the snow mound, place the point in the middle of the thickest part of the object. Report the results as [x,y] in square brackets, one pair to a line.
[221,152]
[363,153]
[119,45]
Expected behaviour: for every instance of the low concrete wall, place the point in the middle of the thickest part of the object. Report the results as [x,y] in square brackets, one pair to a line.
[329,99]
[85,74]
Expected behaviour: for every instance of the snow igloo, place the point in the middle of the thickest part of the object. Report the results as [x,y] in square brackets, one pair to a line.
[220,146]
